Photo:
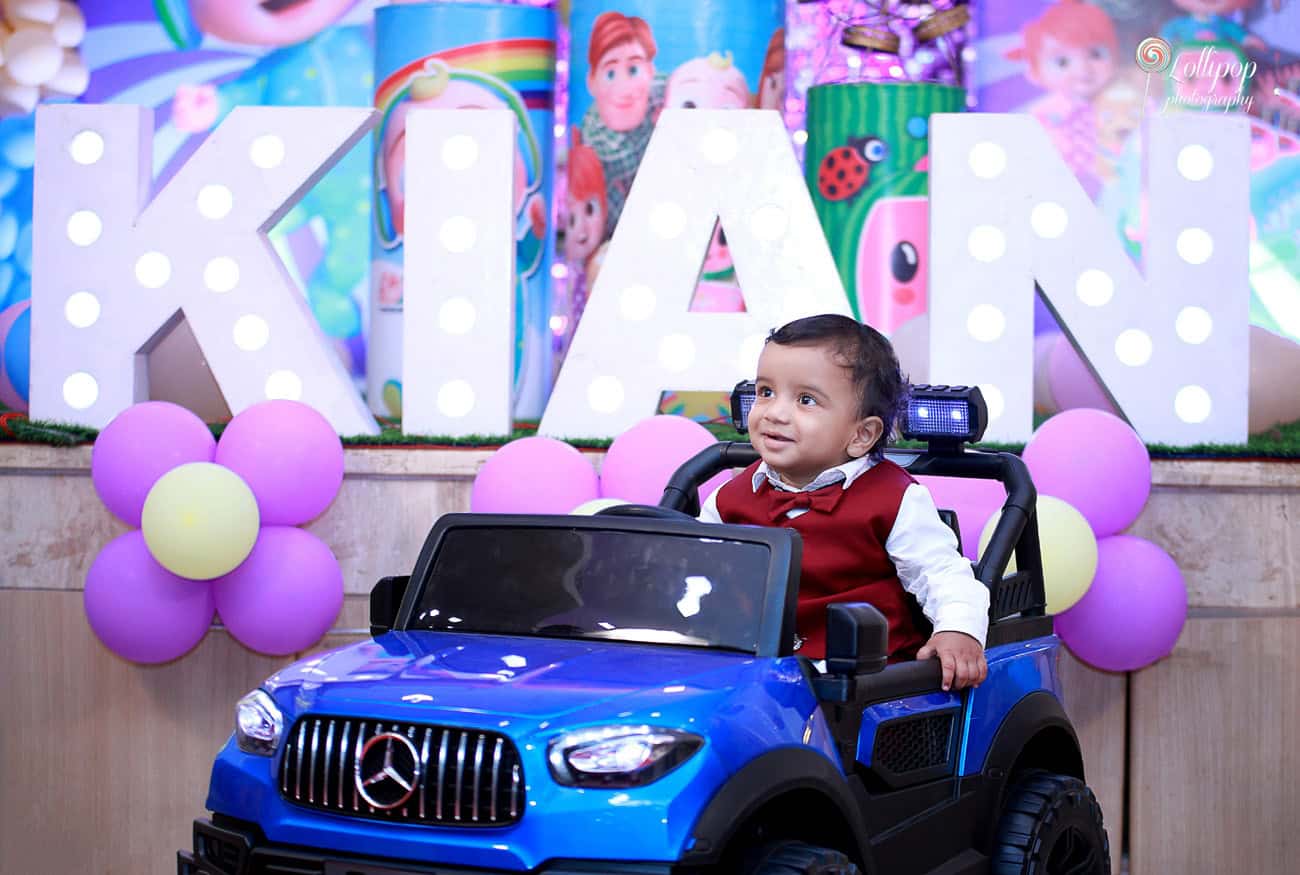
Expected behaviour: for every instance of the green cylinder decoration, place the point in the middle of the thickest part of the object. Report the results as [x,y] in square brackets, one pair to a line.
[867,166]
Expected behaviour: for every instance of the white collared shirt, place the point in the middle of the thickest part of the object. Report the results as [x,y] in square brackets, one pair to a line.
[921,546]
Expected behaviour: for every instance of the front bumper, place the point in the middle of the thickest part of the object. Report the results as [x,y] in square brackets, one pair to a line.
[235,848]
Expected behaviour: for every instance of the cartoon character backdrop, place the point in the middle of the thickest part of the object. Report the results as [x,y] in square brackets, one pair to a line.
[1091,72]
[448,56]
[195,60]
[629,60]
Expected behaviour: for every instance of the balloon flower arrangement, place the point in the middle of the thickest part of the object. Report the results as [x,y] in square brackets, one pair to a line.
[214,529]
[1119,600]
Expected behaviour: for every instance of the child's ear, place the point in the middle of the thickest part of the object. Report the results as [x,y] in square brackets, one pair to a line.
[866,435]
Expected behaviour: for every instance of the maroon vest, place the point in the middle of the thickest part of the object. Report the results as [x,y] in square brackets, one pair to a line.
[844,557]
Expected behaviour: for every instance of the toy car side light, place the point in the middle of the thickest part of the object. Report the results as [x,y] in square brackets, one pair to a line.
[619,756]
[945,415]
[742,399]
[259,724]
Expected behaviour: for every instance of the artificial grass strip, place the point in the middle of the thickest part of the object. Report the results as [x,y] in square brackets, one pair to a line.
[1279,443]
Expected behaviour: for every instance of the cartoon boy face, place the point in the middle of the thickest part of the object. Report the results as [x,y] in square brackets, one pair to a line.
[706,83]
[268,22]
[620,85]
[1079,72]
[771,91]
[586,228]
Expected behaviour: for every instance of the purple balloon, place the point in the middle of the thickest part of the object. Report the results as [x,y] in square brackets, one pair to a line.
[289,455]
[1071,383]
[534,475]
[974,501]
[140,610]
[285,595]
[1133,612]
[641,459]
[141,444]
[1095,462]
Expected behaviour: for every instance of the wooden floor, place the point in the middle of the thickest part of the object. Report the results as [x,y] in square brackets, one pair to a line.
[103,764]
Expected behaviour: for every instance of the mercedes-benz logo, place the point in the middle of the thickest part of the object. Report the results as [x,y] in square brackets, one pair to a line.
[388,770]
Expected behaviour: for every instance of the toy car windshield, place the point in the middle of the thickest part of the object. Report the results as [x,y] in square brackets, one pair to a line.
[596,583]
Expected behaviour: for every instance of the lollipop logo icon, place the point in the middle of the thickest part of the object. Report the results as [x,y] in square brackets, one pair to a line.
[1154,55]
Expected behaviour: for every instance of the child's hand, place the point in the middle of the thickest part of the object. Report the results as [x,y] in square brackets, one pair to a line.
[962,658]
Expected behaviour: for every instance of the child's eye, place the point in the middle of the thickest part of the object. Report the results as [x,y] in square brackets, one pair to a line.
[1061,61]
[591,208]
[609,75]
[807,400]
[633,70]
[1097,53]
[764,392]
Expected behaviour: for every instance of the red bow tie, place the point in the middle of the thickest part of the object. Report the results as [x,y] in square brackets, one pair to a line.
[781,502]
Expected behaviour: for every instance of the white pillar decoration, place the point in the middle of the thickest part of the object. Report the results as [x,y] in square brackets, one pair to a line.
[458,317]
[115,270]
[1170,348]
[637,338]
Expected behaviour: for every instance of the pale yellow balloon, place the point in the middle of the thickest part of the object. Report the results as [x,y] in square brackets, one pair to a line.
[1068,547]
[200,520]
[591,508]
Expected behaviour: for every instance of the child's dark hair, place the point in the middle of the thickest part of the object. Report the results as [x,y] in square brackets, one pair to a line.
[867,354]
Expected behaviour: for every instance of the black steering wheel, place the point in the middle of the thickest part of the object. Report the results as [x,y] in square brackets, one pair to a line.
[644,511]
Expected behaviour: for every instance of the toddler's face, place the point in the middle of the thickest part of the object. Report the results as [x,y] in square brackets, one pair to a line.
[1077,71]
[805,414]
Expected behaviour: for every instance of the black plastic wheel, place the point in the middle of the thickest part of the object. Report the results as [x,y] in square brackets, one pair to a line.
[1051,825]
[797,858]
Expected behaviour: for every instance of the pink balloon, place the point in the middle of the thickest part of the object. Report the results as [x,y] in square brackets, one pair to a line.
[1095,462]
[140,610]
[289,455]
[141,444]
[1132,614]
[1071,383]
[9,396]
[974,502]
[285,595]
[534,475]
[641,459]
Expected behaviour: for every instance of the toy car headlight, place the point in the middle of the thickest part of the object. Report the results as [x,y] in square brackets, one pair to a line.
[259,724]
[619,756]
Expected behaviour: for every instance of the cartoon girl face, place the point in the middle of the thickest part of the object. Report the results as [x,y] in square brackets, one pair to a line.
[268,22]
[454,94]
[1208,7]
[1079,72]
[705,84]
[620,85]
[586,228]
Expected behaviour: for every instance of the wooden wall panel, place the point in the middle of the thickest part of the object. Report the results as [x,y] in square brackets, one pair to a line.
[1095,701]
[105,763]
[1215,751]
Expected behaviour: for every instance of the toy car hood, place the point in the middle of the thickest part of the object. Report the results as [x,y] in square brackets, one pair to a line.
[443,676]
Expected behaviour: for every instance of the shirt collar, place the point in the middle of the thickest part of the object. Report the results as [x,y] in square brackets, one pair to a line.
[847,472]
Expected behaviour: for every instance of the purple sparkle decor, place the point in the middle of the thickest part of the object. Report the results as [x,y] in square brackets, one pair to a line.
[815,54]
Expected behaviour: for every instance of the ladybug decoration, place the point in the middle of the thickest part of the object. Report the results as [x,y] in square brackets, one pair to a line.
[845,170]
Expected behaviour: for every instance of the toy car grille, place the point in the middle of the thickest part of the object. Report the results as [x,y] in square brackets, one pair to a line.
[913,743]
[403,772]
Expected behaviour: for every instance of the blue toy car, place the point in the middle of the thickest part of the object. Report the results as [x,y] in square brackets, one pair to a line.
[620,693]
